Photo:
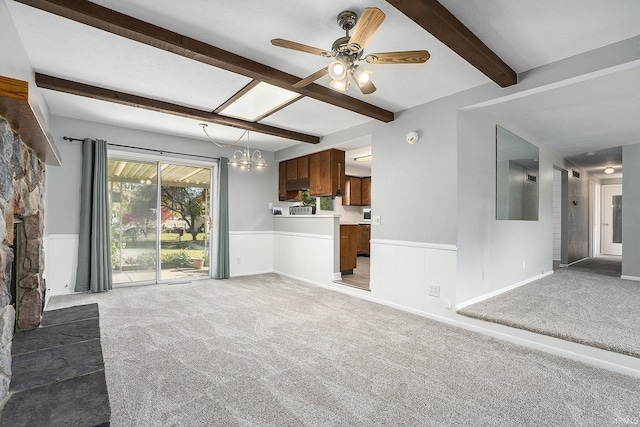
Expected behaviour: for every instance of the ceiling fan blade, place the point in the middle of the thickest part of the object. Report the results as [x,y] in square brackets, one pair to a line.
[312,78]
[367,25]
[368,88]
[406,57]
[300,47]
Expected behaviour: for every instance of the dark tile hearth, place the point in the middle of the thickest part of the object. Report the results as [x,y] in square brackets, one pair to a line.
[58,372]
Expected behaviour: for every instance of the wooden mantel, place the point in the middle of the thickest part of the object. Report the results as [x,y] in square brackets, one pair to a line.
[16,109]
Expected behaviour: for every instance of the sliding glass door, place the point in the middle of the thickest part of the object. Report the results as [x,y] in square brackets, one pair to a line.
[160,221]
[184,204]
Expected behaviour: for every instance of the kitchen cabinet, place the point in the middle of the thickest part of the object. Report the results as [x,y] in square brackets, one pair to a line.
[326,173]
[282,181]
[283,194]
[366,191]
[298,174]
[364,237]
[348,247]
[352,194]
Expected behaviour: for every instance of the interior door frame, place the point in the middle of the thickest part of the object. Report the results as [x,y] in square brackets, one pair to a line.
[213,192]
[595,213]
[603,206]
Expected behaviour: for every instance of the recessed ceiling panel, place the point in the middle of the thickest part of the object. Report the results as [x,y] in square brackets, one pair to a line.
[246,27]
[258,101]
[94,110]
[314,117]
[82,53]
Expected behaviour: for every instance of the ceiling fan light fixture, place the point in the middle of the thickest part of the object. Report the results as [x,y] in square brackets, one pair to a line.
[340,85]
[609,170]
[338,70]
[362,76]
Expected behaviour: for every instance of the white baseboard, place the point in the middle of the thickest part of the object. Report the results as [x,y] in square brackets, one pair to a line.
[636,278]
[574,262]
[251,273]
[501,291]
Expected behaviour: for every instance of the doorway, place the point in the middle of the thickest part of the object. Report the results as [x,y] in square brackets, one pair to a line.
[160,220]
[560,217]
[611,214]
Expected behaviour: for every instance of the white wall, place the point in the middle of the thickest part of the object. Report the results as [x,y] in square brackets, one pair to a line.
[250,221]
[16,64]
[496,254]
[305,247]
[631,212]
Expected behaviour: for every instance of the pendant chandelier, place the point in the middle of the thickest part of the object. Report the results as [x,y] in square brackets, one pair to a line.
[247,160]
[243,159]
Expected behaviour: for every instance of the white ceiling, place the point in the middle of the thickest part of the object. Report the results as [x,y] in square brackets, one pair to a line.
[524,34]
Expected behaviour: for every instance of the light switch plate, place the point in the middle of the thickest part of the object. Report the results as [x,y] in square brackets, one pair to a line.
[376,219]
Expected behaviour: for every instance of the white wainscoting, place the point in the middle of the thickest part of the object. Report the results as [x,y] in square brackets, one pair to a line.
[60,261]
[402,273]
[250,252]
[303,256]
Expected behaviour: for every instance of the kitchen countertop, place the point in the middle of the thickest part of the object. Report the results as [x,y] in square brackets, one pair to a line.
[308,216]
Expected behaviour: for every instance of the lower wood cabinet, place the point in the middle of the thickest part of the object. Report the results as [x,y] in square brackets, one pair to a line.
[364,237]
[348,247]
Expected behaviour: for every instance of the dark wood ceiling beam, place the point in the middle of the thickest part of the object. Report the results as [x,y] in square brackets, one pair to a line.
[440,23]
[126,26]
[81,89]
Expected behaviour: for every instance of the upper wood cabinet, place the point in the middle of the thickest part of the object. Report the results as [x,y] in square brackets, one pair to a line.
[282,181]
[352,194]
[326,173]
[283,193]
[298,168]
[297,173]
[366,191]
[321,173]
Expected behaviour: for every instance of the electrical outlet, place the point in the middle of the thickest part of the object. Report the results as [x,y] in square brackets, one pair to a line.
[523,265]
[434,291]
[376,219]
[238,261]
[270,205]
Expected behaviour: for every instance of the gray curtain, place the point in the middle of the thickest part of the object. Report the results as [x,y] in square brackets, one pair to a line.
[222,264]
[94,245]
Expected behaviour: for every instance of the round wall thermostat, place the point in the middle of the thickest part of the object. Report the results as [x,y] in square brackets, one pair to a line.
[412,137]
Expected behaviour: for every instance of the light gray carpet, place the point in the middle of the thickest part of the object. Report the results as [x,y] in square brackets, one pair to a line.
[269,351]
[586,303]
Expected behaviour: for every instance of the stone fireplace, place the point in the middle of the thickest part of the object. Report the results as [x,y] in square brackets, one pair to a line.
[21,198]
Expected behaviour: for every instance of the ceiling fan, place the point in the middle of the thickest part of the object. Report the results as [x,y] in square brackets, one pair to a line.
[348,50]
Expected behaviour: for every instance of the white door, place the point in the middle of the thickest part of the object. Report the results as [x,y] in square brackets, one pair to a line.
[612,219]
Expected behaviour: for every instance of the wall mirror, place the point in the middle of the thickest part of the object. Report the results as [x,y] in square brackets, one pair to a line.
[516,177]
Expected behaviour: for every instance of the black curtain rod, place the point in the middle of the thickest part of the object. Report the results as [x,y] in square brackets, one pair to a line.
[67,138]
